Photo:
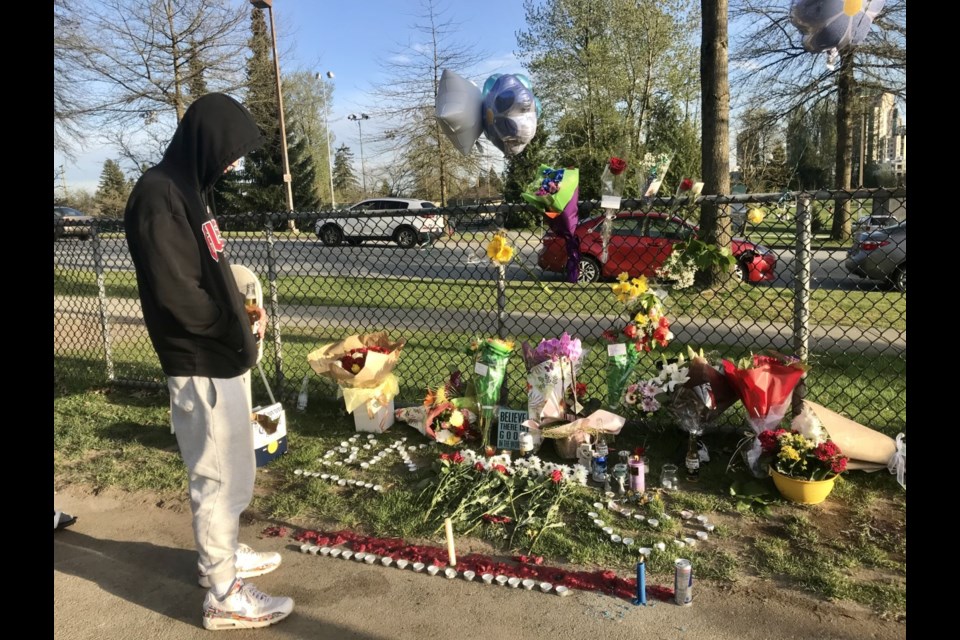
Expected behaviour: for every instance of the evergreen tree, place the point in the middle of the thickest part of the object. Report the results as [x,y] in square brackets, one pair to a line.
[113,191]
[345,182]
[196,82]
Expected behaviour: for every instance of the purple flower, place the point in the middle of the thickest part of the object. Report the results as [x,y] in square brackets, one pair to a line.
[650,404]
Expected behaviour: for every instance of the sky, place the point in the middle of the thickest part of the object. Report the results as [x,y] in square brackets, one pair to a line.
[353,39]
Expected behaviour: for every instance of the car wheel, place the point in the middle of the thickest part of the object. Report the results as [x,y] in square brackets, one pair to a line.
[331,235]
[406,237]
[589,271]
[899,278]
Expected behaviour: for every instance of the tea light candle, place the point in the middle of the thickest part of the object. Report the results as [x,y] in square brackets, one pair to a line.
[313,550]
[702,536]
[593,514]
[487,578]
[378,488]
[702,519]
[433,569]
[298,472]
[653,522]
[402,564]
[639,516]
[324,476]
[627,541]
[679,543]
[304,548]
[562,591]
[691,542]
[501,580]
[514,582]
[469,575]
[370,558]
[615,538]
[386,561]
[450,573]
[608,530]
[418,566]
[545,587]
[686,515]
[346,555]
[341,482]
[335,553]
[660,546]
[645,551]
[367,447]
[324,551]
[528,584]
[600,523]
[598,506]
[709,527]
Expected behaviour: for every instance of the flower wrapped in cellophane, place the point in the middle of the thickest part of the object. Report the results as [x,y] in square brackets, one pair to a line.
[653,169]
[443,416]
[611,190]
[552,368]
[647,329]
[556,193]
[689,189]
[362,366]
[765,385]
[492,355]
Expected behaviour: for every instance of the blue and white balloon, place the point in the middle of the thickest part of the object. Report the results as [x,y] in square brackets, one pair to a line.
[833,24]
[509,114]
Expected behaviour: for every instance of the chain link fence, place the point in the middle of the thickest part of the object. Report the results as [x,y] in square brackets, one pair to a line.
[423,275]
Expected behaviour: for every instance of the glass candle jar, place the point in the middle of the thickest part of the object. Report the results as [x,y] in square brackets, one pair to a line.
[668,477]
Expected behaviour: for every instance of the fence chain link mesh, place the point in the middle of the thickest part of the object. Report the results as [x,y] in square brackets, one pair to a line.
[424,276]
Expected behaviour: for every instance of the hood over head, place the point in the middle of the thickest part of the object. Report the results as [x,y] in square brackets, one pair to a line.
[215,131]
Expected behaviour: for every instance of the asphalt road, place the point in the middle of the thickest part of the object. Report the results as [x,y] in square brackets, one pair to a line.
[307,256]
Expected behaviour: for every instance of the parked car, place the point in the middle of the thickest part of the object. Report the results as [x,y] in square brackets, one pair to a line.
[421,227]
[640,243]
[868,224]
[68,222]
[881,255]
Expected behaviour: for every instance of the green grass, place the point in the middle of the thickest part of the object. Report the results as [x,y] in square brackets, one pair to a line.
[865,309]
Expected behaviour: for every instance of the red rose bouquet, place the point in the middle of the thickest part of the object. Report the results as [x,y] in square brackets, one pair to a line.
[611,183]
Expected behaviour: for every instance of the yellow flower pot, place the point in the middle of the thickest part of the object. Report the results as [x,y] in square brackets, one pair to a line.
[802,491]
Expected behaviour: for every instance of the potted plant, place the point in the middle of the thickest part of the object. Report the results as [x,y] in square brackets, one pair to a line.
[804,466]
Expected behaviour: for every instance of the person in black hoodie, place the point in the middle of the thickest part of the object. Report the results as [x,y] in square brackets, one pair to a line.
[202,334]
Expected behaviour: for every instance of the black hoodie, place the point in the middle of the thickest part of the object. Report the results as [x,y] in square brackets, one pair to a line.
[191,304]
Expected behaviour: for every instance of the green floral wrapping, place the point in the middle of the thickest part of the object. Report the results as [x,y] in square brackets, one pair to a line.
[489,373]
[620,365]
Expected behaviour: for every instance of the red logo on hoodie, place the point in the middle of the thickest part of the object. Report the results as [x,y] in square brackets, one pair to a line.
[215,243]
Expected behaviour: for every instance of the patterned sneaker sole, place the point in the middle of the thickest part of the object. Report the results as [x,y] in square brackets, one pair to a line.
[221,621]
[204,581]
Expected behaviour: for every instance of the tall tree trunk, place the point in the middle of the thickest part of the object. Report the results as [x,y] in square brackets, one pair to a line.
[844,159]
[715,144]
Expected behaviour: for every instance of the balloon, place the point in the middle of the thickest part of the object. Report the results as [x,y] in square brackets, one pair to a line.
[489,83]
[509,114]
[458,108]
[524,80]
[536,101]
[833,24]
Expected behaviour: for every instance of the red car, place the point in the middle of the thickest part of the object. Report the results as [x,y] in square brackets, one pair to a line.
[641,242]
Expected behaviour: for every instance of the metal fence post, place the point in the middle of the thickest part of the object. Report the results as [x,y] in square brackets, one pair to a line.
[274,307]
[801,296]
[501,301]
[97,250]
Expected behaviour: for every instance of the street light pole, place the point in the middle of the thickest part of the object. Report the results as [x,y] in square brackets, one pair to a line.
[358,118]
[268,5]
[326,124]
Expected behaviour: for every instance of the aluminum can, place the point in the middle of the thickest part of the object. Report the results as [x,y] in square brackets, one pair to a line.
[599,468]
[683,582]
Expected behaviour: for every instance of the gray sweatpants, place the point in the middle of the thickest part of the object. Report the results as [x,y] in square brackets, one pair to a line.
[211,418]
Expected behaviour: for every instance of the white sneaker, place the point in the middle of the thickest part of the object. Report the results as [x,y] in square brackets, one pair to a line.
[244,607]
[250,564]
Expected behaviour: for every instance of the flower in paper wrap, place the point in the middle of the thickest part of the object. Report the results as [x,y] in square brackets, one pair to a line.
[493,355]
[688,188]
[373,384]
[765,385]
[555,193]
[551,369]
[569,434]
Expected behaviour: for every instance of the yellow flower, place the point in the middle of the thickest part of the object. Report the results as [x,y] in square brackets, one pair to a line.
[623,277]
[641,318]
[640,284]
[441,395]
[456,418]
[494,247]
[355,368]
[505,254]
[499,249]
[788,453]
[755,216]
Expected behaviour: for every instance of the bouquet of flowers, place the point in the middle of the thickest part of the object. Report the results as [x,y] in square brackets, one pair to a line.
[491,356]
[765,385]
[649,396]
[653,169]
[647,328]
[552,367]
[556,193]
[443,416]
[804,456]
[362,367]
[611,187]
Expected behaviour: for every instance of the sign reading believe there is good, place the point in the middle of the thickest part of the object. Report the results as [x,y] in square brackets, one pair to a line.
[509,428]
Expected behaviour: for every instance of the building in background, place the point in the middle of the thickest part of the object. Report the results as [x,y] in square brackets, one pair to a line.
[880,144]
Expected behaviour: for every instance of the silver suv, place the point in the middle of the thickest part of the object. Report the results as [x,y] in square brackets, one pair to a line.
[383,219]
[881,255]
